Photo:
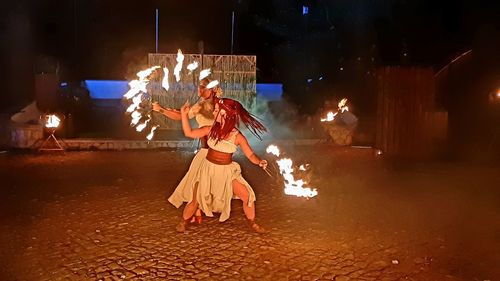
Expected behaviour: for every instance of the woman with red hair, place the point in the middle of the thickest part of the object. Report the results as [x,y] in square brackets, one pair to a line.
[219,178]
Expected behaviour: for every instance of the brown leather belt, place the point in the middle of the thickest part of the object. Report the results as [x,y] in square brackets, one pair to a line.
[203,142]
[219,158]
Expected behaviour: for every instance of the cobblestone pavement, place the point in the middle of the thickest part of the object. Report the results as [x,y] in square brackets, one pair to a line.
[104,216]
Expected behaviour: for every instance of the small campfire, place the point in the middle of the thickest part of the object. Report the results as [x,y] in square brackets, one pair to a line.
[52,122]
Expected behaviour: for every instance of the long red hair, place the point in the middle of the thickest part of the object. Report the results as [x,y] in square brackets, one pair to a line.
[235,113]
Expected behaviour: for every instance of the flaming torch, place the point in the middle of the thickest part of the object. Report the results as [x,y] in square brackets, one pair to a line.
[178,66]
[192,66]
[152,133]
[212,84]
[138,89]
[138,92]
[204,73]
[164,82]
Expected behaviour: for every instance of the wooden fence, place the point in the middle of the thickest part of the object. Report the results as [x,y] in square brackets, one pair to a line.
[408,123]
[236,75]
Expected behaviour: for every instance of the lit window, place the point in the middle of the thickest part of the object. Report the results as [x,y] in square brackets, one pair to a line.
[305,10]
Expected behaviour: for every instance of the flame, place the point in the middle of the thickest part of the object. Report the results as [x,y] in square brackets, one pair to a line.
[292,186]
[342,102]
[192,66]
[273,149]
[164,82]
[134,89]
[330,116]
[212,84]
[204,73]
[342,105]
[131,108]
[52,121]
[138,86]
[152,133]
[136,116]
[136,101]
[141,126]
[178,66]
[136,92]
[143,75]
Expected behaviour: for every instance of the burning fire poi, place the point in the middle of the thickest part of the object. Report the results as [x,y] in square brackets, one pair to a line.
[178,66]
[292,186]
[138,89]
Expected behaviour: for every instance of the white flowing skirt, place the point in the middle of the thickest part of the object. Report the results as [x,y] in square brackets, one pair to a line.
[215,188]
[184,190]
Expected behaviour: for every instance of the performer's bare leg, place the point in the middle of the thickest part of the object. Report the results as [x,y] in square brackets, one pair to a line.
[192,206]
[189,211]
[197,217]
[241,191]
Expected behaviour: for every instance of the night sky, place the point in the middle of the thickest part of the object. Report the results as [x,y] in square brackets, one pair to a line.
[103,39]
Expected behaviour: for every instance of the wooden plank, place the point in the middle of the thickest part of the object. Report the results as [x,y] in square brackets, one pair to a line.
[236,75]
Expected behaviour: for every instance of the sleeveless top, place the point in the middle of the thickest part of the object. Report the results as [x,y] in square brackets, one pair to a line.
[226,146]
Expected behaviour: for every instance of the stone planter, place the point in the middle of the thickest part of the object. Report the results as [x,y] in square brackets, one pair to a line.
[339,134]
[25,135]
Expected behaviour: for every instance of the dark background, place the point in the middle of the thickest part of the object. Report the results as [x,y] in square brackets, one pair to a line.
[329,53]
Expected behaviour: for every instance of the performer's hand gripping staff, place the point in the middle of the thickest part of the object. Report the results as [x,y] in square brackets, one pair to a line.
[263,165]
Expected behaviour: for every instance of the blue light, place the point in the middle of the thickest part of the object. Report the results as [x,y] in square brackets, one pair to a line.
[107,89]
[309,80]
[64,84]
[305,10]
[320,78]
[115,89]
[269,92]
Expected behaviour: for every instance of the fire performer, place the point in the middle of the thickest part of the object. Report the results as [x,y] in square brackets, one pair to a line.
[219,179]
[202,111]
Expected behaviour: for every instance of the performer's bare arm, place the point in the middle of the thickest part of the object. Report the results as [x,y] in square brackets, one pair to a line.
[248,151]
[186,127]
[173,114]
